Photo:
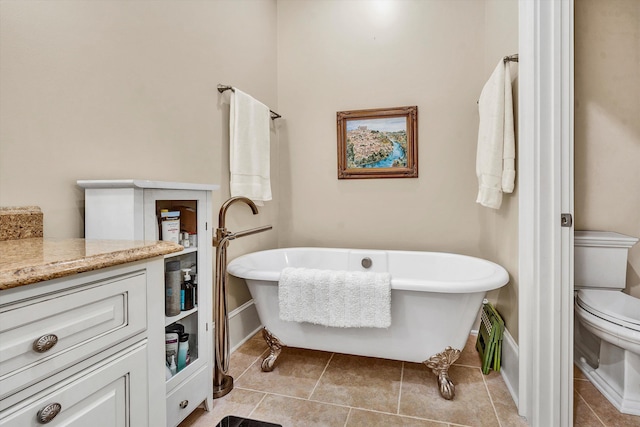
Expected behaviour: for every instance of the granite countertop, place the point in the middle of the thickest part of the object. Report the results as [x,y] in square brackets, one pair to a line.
[20,222]
[27,261]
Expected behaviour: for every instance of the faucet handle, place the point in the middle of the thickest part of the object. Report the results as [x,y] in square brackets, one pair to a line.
[219,235]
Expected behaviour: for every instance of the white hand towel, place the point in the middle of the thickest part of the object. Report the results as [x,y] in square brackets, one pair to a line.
[344,299]
[249,148]
[495,160]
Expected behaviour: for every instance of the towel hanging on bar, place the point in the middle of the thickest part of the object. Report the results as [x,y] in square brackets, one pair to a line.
[509,58]
[223,88]
[249,148]
[495,159]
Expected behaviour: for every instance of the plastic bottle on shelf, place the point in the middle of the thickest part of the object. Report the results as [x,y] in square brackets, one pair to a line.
[186,291]
[172,288]
[171,344]
[194,283]
[184,239]
[183,351]
[178,328]
[172,365]
[195,290]
[182,291]
[170,225]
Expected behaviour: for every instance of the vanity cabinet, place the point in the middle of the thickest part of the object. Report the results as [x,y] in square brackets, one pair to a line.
[130,209]
[75,351]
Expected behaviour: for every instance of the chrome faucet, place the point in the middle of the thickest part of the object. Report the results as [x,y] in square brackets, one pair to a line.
[223,383]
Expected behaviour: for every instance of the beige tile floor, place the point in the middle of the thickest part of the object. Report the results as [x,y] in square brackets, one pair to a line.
[313,388]
[592,409]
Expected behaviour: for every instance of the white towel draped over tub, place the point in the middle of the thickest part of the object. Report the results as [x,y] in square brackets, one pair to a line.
[249,148]
[495,161]
[344,299]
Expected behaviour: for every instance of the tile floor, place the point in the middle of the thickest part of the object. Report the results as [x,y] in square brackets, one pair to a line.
[313,388]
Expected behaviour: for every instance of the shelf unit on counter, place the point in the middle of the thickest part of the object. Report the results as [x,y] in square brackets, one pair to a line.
[130,209]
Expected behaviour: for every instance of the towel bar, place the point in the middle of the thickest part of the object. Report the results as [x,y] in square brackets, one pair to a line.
[223,88]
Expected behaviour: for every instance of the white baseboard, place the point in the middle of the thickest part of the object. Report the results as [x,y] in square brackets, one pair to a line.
[510,365]
[243,324]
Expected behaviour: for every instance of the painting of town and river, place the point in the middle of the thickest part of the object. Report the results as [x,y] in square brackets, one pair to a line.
[377,143]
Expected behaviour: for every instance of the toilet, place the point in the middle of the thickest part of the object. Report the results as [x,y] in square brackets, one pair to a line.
[607,326]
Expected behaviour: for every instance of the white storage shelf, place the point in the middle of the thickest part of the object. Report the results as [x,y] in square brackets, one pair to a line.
[183,252]
[129,209]
[174,319]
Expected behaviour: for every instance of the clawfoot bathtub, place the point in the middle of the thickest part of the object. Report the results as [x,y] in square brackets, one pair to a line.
[435,299]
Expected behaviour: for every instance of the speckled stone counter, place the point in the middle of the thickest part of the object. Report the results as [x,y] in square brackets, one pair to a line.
[27,261]
[20,222]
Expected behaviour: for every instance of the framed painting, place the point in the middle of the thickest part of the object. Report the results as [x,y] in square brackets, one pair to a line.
[378,143]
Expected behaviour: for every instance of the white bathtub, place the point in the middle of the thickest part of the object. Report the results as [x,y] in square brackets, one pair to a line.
[435,299]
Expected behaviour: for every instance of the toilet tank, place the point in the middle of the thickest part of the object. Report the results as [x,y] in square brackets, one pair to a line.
[600,259]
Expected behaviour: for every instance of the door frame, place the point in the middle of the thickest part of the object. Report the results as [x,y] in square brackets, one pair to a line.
[545,169]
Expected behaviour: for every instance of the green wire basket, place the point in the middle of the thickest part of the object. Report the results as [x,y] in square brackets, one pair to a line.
[489,342]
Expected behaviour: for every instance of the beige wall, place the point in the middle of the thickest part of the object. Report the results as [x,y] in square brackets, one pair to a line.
[116,89]
[127,89]
[501,226]
[607,124]
[348,55]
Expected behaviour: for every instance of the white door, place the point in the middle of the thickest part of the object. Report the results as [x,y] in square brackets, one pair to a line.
[545,162]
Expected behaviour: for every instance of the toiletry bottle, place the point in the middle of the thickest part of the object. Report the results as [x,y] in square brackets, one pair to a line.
[174,327]
[182,291]
[183,350]
[172,288]
[170,225]
[184,239]
[171,344]
[194,283]
[172,365]
[195,290]
[187,290]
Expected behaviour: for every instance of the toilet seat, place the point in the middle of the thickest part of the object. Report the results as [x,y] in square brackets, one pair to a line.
[615,307]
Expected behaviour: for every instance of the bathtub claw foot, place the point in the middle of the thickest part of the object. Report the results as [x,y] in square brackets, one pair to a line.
[275,348]
[439,365]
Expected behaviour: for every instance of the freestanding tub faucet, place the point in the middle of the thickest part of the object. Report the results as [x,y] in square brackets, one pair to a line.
[223,383]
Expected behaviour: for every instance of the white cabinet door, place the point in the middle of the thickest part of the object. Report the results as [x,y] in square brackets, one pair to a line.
[83,321]
[111,393]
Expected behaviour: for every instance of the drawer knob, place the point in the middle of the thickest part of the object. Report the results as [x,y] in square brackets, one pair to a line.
[45,343]
[184,404]
[48,413]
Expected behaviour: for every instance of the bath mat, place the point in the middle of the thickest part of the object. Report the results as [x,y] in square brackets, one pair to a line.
[232,421]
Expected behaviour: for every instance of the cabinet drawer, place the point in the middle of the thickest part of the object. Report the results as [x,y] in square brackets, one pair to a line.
[84,321]
[101,396]
[187,397]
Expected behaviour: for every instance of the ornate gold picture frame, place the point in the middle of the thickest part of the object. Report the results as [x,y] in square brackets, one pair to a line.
[378,143]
